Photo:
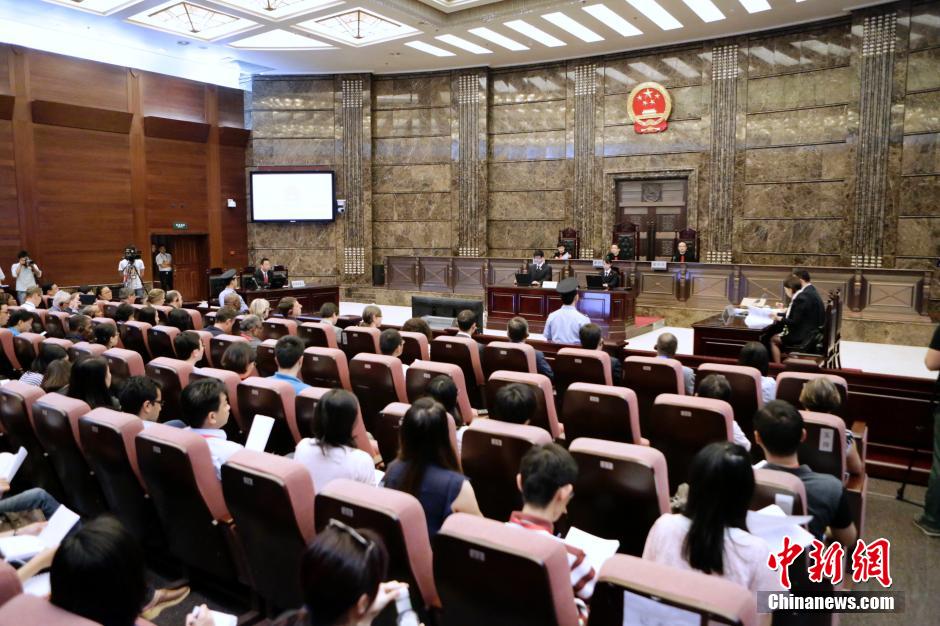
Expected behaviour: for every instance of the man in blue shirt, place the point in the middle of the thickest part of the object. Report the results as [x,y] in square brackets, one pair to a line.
[229,290]
[287,353]
[564,324]
[20,322]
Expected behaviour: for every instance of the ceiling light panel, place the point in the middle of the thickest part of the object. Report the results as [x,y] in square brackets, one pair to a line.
[358,27]
[500,40]
[705,9]
[613,21]
[278,9]
[99,7]
[429,49]
[536,34]
[580,31]
[463,44]
[279,40]
[656,14]
[755,6]
[191,20]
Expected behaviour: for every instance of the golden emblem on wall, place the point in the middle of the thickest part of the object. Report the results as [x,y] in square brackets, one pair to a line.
[649,106]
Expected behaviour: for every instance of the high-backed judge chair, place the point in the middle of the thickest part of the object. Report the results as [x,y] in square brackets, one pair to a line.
[627,236]
[512,357]
[325,367]
[376,380]
[466,354]
[688,236]
[601,412]
[569,238]
[273,398]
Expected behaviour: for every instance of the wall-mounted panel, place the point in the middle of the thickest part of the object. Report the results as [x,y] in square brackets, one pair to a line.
[171,97]
[69,80]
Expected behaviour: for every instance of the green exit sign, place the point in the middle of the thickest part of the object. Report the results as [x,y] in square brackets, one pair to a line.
[180,226]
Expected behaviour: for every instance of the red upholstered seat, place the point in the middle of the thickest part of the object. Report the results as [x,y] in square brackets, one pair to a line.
[9,352]
[219,344]
[388,425]
[160,339]
[26,346]
[16,416]
[265,361]
[325,367]
[195,319]
[277,327]
[317,334]
[746,396]
[271,397]
[601,412]
[465,353]
[27,610]
[490,455]
[488,572]
[781,488]
[205,337]
[506,356]
[545,415]
[305,408]
[359,339]
[230,380]
[416,347]
[271,499]
[377,380]
[650,376]
[10,585]
[57,323]
[123,364]
[134,335]
[790,386]
[65,344]
[574,365]
[420,374]
[622,490]
[83,348]
[173,375]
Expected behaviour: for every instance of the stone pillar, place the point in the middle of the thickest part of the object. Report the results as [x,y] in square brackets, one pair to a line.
[583,216]
[717,241]
[354,124]
[471,163]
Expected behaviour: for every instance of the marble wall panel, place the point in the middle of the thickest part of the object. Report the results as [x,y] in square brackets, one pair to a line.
[784,258]
[918,196]
[682,136]
[823,161]
[292,123]
[811,200]
[292,152]
[921,154]
[411,150]
[529,176]
[925,26]
[653,162]
[532,205]
[922,112]
[407,234]
[523,234]
[292,93]
[432,90]
[806,89]
[676,69]
[919,236]
[790,236]
[923,69]
[306,261]
[688,103]
[799,51]
[527,116]
[529,85]
[411,206]
[549,144]
[411,122]
[405,178]
[298,235]
[783,128]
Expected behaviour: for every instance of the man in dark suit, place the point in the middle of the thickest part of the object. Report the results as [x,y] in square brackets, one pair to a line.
[801,321]
[263,274]
[610,275]
[539,270]
[683,254]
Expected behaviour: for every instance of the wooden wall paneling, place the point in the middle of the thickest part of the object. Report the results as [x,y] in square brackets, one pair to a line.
[176,175]
[214,181]
[9,211]
[6,69]
[141,235]
[68,80]
[166,128]
[231,107]
[74,116]
[234,220]
[6,106]
[23,148]
[231,136]
[171,97]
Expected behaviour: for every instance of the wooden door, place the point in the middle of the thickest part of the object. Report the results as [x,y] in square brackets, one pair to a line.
[190,262]
[658,202]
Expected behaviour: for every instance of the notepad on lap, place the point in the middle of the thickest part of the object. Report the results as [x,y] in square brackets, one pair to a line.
[10,463]
[260,431]
[25,547]
[596,550]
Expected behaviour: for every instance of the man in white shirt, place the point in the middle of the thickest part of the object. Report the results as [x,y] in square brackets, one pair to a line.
[392,344]
[205,408]
[25,273]
[467,325]
[131,272]
[164,261]
[32,298]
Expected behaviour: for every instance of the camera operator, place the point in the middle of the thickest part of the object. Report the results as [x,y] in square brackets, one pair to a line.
[25,272]
[131,268]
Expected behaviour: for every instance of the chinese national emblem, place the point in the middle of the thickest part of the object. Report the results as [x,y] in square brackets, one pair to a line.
[649,107]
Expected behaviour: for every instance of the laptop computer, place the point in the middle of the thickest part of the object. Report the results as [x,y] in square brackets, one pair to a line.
[595,281]
[523,279]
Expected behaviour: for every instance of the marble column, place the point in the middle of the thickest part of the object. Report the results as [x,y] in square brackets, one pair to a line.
[722,154]
[354,124]
[585,87]
[471,164]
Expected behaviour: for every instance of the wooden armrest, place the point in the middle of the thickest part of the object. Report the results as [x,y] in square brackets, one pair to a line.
[860,433]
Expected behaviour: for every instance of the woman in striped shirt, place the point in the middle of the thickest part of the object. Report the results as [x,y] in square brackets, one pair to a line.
[48,353]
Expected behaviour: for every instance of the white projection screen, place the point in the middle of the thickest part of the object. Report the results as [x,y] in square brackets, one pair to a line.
[293,197]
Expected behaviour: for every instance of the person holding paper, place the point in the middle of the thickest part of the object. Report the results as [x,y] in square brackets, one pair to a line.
[546,479]
[205,410]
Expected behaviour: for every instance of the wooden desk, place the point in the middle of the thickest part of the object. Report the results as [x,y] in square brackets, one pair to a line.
[311,297]
[611,310]
[715,337]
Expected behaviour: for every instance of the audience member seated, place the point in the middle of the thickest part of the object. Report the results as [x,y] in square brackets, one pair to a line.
[91,310]
[224,321]
[127,296]
[21,321]
[147,314]
[821,396]
[105,335]
[467,326]
[289,307]
[205,409]
[371,316]
[444,390]
[125,312]
[189,347]
[427,467]
[260,307]
[32,299]
[391,344]
[515,403]
[57,377]
[717,387]
[779,431]
[288,353]
[517,330]
[240,358]
[231,282]
[174,299]
[80,329]
[546,479]
[60,302]
[48,354]
[156,297]
[48,289]
[754,354]
[711,534]
[250,327]
[332,452]
[91,383]
[104,293]
[666,346]
[329,314]
[593,339]
[143,397]
[34,499]
[4,310]
[417,325]
[179,318]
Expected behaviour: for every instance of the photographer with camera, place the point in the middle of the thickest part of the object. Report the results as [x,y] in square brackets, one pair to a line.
[131,268]
[25,272]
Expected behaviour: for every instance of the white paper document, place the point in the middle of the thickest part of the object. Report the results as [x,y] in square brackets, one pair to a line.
[642,611]
[25,547]
[10,463]
[771,524]
[758,317]
[595,549]
[38,585]
[224,619]
[260,431]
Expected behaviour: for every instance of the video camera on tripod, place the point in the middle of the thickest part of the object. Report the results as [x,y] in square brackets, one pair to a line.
[131,254]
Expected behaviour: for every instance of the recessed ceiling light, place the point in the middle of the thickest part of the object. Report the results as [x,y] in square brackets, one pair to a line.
[755,6]
[278,9]
[705,9]
[564,22]
[428,48]
[612,20]
[192,20]
[279,40]
[656,14]
[357,27]
[537,34]
[459,42]
[499,40]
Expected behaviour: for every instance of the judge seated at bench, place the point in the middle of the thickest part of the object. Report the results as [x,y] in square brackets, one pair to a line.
[616,254]
[539,270]
[610,276]
[684,254]
[561,252]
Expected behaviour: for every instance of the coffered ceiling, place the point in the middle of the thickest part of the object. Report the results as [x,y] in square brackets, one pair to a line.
[382,36]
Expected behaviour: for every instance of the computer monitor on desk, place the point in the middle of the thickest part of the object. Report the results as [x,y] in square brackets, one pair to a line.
[595,281]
